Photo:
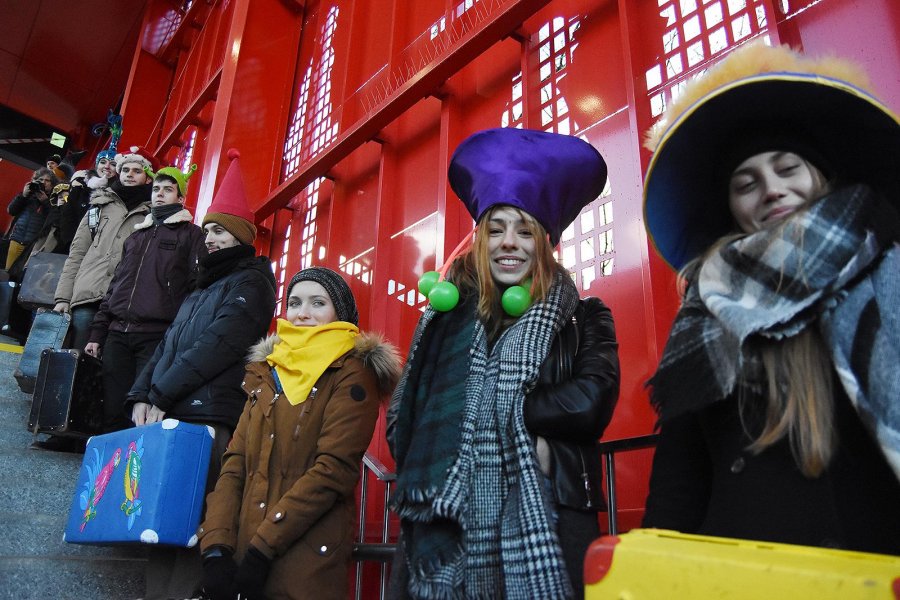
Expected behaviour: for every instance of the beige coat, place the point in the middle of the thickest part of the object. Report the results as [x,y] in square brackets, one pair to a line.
[289,475]
[92,262]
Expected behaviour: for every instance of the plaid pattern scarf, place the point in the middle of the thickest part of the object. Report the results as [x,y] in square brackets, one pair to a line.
[487,518]
[835,265]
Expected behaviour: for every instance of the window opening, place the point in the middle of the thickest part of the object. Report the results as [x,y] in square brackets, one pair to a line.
[186,154]
[696,34]
[586,247]
[312,128]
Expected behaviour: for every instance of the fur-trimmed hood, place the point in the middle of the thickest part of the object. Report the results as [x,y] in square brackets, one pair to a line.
[371,348]
[182,216]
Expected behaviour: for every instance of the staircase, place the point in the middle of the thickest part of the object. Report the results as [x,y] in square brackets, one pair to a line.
[36,488]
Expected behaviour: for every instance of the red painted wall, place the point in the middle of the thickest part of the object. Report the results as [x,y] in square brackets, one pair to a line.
[294,80]
[12,180]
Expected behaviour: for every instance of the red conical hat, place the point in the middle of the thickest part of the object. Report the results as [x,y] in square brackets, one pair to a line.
[230,204]
[231,197]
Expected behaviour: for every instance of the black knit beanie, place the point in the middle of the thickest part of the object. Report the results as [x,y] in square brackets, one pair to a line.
[337,288]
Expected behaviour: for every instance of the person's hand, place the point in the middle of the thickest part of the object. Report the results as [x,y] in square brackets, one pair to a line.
[93,349]
[139,413]
[155,415]
[26,191]
[218,574]
[251,575]
[61,307]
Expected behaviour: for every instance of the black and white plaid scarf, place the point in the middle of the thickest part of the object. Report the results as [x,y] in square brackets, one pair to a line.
[836,265]
[510,548]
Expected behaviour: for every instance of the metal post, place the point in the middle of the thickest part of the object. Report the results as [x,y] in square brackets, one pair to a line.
[609,460]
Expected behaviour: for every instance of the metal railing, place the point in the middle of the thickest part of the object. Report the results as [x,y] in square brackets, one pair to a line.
[608,453]
[380,552]
[383,552]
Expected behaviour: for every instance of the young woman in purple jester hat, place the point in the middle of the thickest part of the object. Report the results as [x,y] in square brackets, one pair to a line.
[510,381]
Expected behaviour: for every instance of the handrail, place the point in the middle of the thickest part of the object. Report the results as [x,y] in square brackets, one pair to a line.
[377,468]
[384,551]
[607,452]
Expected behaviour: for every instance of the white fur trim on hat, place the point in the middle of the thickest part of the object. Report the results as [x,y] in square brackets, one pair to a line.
[131,156]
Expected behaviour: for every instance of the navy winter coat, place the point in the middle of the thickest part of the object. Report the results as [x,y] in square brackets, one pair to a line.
[196,372]
[30,215]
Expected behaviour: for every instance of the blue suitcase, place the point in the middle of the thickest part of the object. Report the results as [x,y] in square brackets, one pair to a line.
[47,331]
[142,485]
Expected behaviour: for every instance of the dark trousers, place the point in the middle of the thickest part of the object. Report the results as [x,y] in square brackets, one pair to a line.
[576,530]
[124,357]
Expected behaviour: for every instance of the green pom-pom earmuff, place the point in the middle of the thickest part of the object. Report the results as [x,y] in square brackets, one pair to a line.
[427,281]
[515,300]
[444,296]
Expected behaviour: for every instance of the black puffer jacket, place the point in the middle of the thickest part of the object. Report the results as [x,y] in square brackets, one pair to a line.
[30,215]
[157,271]
[196,372]
[573,403]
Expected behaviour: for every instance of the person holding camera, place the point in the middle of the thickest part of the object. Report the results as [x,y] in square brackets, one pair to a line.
[48,238]
[30,209]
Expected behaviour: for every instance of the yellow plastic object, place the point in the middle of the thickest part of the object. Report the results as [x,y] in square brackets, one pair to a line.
[656,564]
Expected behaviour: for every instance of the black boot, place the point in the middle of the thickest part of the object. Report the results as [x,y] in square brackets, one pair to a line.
[57,443]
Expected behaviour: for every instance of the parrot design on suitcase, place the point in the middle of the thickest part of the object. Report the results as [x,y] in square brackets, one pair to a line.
[131,506]
[93,492]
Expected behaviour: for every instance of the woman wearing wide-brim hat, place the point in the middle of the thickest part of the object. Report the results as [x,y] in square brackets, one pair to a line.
[774,189]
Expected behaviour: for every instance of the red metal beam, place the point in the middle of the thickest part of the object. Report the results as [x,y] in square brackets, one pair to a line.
[422,84]
[191,115]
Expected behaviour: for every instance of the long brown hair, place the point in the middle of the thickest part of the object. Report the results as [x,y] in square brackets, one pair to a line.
[472,271]
[798,377]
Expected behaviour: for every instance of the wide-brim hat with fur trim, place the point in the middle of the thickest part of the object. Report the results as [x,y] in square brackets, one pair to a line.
[763,95]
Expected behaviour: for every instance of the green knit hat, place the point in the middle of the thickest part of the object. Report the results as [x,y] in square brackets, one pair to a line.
[175,173]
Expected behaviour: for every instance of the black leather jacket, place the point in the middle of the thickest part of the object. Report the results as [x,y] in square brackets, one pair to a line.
[573,403]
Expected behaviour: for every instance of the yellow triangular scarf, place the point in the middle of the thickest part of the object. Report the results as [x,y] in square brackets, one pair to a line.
[303,354]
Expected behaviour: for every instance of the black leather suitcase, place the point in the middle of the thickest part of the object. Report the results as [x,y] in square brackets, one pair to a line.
[68,395]
[47,331]
[39,282]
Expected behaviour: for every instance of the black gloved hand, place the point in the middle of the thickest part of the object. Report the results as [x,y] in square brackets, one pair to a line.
[218,574]
[250,579]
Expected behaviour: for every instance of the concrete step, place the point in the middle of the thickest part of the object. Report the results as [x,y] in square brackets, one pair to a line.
[72,578]
[36,489]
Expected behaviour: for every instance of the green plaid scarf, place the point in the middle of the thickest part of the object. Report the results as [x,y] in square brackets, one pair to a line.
[430,399]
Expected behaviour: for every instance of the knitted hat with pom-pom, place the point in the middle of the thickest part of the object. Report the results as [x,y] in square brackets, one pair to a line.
[229,206]
[136,154]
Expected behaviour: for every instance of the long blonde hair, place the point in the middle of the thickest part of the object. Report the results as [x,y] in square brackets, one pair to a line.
[472,271]
[798,378]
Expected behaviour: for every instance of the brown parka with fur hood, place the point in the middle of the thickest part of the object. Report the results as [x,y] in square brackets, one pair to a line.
[289,475]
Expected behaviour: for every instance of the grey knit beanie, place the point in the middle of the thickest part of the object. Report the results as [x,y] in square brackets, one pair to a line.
[337,288]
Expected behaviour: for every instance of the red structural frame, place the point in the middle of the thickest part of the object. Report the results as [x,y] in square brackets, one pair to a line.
[346,113]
